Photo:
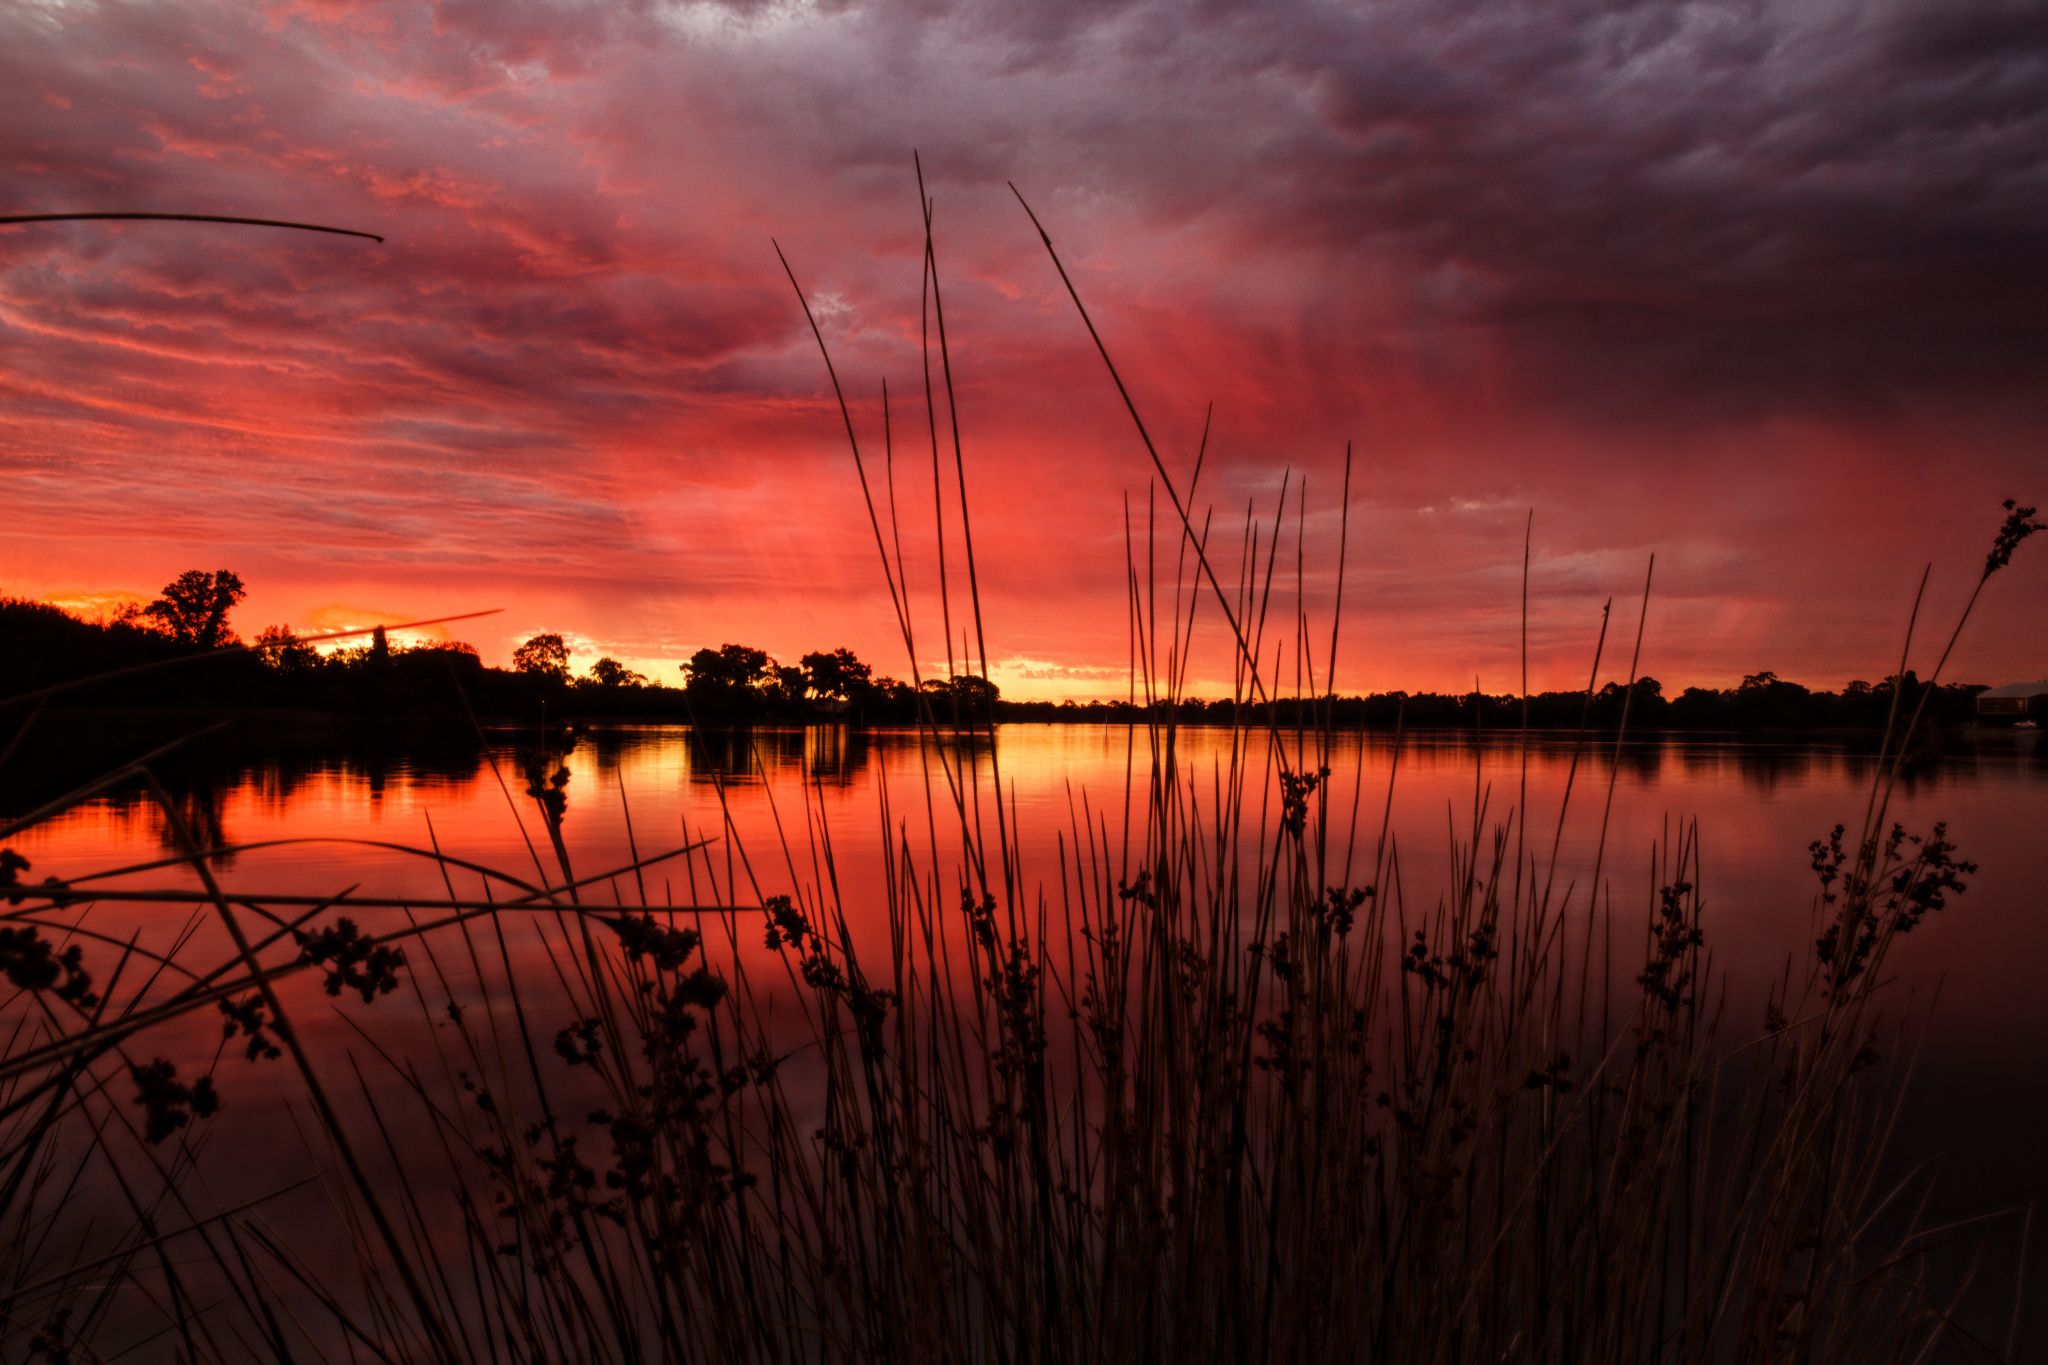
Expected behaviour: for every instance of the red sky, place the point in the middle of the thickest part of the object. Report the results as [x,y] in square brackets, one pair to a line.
[1758,287]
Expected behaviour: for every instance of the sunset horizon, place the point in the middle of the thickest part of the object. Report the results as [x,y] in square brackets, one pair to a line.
[572,382]
[824,682]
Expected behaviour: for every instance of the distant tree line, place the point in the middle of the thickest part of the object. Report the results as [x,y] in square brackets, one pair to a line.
[1762,701]
[736,684]
[42,645]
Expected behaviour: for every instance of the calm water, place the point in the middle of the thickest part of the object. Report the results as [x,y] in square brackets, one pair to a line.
[787,810]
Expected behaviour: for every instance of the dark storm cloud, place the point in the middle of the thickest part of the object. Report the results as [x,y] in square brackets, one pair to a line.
[1740,206]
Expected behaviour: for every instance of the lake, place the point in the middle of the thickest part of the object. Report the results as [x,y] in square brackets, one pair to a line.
[801,811]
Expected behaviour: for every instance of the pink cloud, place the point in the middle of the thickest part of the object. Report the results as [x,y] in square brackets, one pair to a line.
[1676,287]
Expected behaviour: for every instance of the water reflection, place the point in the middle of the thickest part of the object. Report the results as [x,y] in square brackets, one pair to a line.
[790,809]
[826,755]
[203,789]
[831,755]
[216,794]
[767,793]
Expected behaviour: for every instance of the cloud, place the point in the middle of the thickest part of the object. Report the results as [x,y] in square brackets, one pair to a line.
[1755,285]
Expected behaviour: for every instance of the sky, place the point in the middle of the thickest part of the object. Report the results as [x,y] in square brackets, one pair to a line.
[1757,288]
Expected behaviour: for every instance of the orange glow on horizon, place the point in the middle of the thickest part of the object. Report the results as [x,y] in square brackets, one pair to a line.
[572,383]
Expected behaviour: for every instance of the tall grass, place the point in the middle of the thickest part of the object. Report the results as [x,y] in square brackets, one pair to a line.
[1217,1081]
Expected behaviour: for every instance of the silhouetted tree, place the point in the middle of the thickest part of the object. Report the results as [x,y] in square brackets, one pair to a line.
[899,697]
[1647,691]
[544,656]
[426,671]
[609,672]
[285,652]
[193,607]
[1769,700]
[732,682]
[787,685]
[729,669]
[969,693]
[837,674]
[1770,687]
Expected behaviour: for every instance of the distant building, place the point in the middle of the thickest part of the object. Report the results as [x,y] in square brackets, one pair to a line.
[2014,701]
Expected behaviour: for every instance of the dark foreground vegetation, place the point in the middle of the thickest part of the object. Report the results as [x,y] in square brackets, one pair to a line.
[42,646]
[1226,1083]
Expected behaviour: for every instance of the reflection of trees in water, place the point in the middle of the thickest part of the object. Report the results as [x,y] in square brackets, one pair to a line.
[963,751]
[198,809]
[1642,760]
[1938,760]
[1700,762]
[198,802]
[1766,768]
[1761,768]
[831,754]
[605,750]
[282,779]
[742,757]
[834,754]
[201,795]
[1924,773]
[1859,766]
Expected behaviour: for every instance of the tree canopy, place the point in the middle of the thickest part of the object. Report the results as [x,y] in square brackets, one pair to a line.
[193,607]
[609,672]
[730,670]
[838,673]
[545,656]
